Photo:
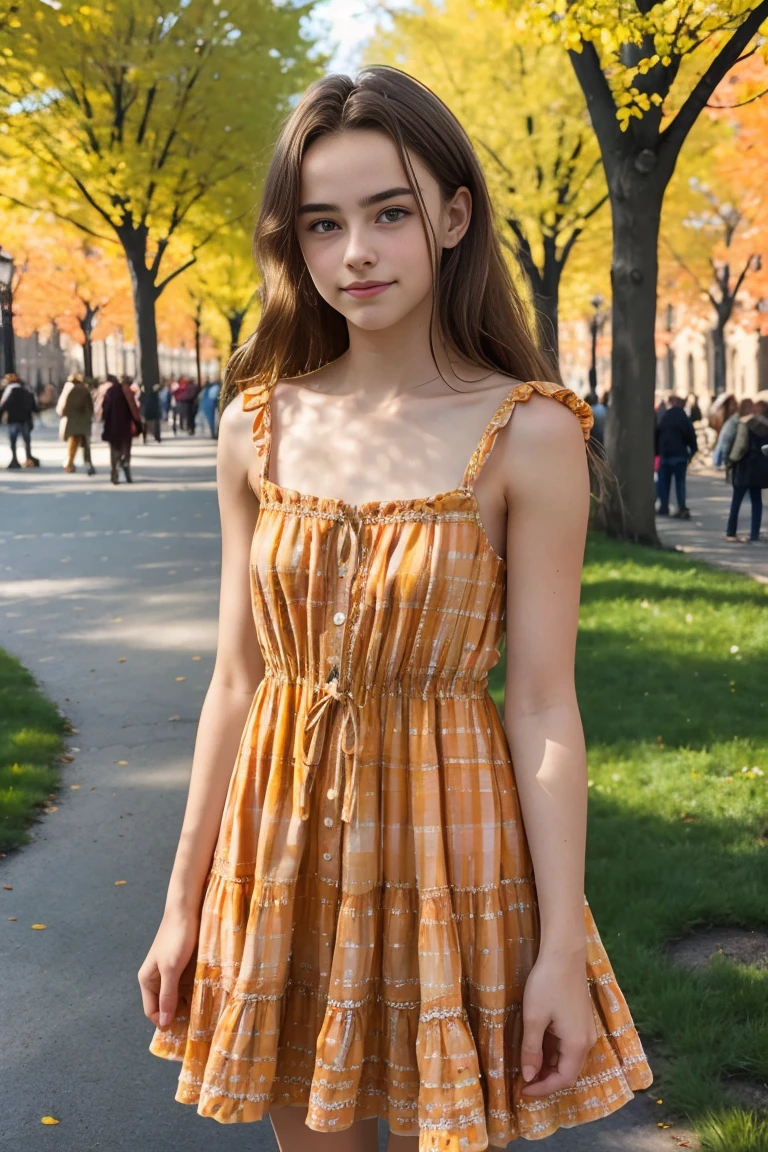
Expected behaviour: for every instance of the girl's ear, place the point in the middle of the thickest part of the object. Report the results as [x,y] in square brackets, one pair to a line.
[458,213]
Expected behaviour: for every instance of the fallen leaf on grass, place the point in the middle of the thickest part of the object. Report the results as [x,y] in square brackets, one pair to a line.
[120,882]
[49,1120]
[39,927]
[661,1124]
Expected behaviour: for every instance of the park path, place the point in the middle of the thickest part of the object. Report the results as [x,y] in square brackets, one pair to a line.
[703,536]
[110,597]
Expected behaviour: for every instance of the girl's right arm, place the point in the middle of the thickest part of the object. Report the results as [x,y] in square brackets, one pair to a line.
[238,670]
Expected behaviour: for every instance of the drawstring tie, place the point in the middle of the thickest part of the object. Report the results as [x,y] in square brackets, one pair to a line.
[313,741]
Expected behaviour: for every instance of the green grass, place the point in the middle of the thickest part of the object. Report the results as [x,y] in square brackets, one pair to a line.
[31,738]
[675,722]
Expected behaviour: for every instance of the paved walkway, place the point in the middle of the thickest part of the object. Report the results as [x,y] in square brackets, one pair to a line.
[110,596]
[703,536]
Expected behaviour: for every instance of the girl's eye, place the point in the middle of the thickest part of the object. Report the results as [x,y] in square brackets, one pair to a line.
[319,226]
[401,212]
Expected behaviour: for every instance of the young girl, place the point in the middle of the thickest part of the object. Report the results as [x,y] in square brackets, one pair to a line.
[375,913]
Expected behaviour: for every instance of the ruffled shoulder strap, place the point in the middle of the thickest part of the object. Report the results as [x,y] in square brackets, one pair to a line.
[523,392]
[256,399]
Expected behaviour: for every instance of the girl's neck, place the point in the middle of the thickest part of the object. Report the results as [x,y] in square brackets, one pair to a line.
[382,365]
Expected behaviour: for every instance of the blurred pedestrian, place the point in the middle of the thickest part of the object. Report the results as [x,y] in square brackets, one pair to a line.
[164,396]
[122,421]
[692,407]
[186,398]
[749,472]
[676,445]
[727,435]
[209,403]
[18,404]
[150,410]
[599,412]
[75,407]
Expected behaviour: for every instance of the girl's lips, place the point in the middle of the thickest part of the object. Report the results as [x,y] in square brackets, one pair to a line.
[363,293]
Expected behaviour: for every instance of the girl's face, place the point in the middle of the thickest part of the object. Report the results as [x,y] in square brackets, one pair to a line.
[360,231]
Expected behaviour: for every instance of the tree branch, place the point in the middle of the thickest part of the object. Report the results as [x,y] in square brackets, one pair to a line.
[673,137]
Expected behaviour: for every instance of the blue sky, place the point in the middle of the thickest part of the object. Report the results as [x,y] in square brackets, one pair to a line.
[349,23]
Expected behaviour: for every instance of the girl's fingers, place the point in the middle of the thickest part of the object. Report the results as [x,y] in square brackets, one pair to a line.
[169,995]
[564,1075]
[150,989]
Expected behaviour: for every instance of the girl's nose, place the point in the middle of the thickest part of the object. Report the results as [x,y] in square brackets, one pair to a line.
[359,250]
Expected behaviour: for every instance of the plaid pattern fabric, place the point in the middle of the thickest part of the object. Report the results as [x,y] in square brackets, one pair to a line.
[370,916]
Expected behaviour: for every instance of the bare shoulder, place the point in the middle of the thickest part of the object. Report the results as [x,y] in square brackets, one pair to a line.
[235,445]
[544,441]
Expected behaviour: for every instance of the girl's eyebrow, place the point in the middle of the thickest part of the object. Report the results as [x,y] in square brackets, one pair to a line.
[366,202]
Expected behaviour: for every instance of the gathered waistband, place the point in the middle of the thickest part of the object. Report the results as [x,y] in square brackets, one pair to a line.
[452,685]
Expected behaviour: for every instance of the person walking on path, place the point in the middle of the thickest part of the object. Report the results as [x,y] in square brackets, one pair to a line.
[676,445]
[377,902]
[599,413]
[727,434]
[209,402]
[122,421]
[75,407]
[186,398]
[748,458]
[18,404]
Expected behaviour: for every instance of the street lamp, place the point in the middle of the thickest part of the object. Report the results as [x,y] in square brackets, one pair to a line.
[6,310]
[595,324]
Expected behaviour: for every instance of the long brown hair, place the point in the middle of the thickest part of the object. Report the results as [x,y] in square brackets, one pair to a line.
[477,309]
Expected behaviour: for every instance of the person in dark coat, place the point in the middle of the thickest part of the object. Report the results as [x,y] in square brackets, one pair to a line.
[121,419]
[748,461]
[676,445]
[18,404]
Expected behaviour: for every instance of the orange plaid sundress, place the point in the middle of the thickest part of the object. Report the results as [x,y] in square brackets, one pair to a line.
[370,915]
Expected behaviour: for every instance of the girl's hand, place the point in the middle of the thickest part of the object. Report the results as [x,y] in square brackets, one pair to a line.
[169,955]
[558,1024]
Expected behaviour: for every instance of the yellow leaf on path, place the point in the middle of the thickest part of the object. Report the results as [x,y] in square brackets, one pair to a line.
[120,882]
[122,659]
[8,887]
[49,1120]
[180,678]
[66,759]
[197,657]
[11,917]
[52,808]
[39,927]
[174,717]
[74,787]
[117,619]
[122,763]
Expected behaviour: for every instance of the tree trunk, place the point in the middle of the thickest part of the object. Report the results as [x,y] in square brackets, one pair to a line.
[144,298]
[630,422]
[547,300]
[88,357]
[86,327]
[719,372]
[235,321]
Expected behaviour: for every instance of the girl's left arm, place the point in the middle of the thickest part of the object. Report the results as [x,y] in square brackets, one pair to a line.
[546,476]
